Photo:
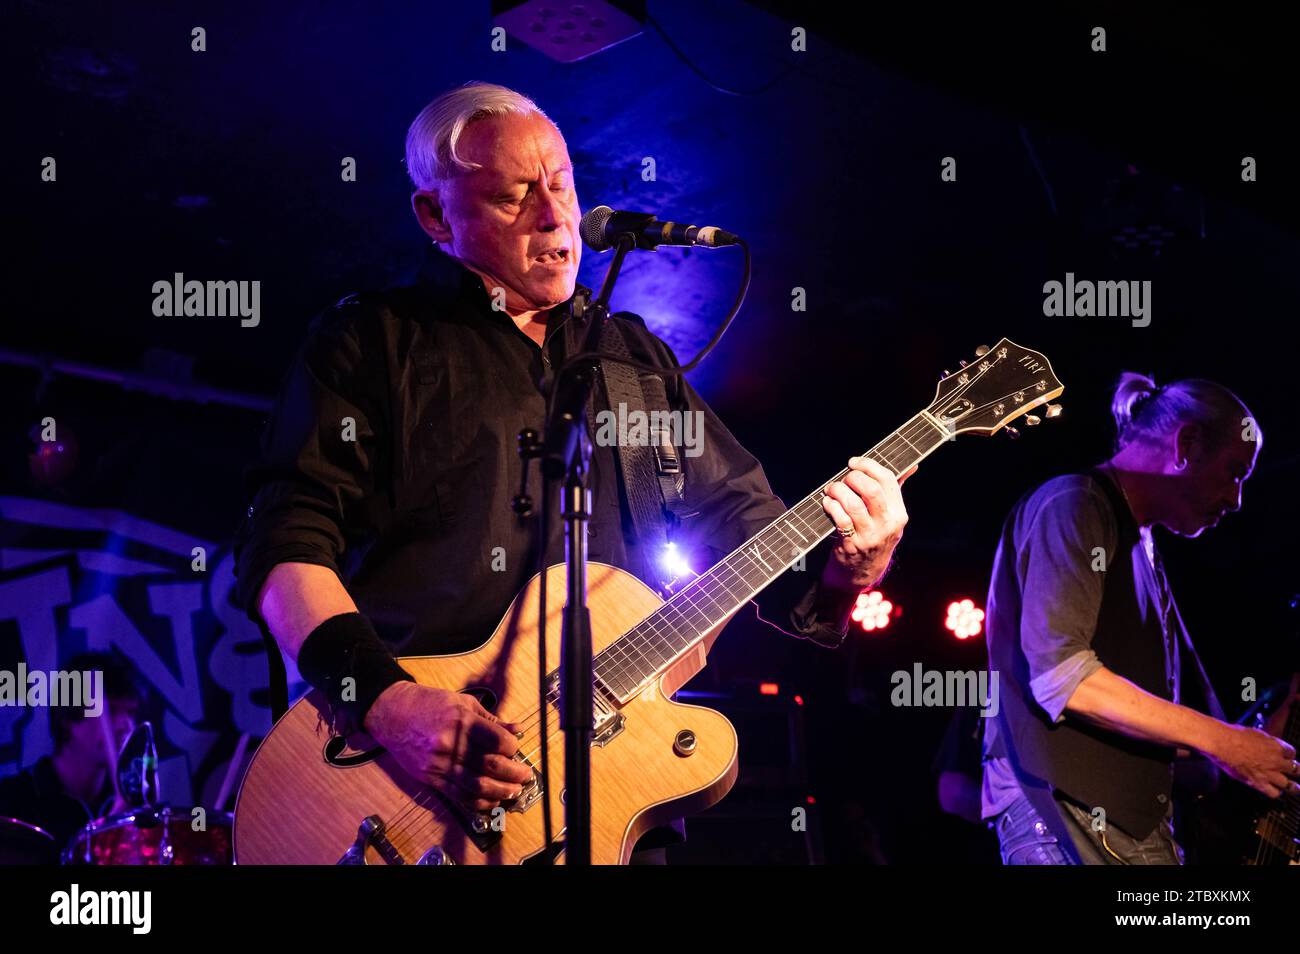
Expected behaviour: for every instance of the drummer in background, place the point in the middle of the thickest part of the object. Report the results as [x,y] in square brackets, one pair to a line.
[62,792]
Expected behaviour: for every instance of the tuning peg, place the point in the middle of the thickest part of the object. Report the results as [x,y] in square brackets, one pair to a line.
[1013,433]
[1033,420]
[945,374]
[963,362]
[1054,410]
[981,351]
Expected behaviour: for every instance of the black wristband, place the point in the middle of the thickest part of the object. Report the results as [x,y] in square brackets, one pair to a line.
[347,647]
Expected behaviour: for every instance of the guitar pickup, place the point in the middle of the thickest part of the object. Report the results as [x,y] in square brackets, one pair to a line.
[606,730]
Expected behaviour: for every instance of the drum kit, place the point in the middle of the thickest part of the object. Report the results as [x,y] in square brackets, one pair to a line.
[148,833]
[153,836]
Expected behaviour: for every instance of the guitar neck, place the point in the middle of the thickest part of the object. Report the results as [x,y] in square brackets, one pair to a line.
[647,649]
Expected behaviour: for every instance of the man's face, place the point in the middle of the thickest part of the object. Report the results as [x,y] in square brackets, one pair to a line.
[86,737]
[501,218]
[1210,485]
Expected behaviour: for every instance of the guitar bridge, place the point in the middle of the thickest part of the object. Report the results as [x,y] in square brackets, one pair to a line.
[532,789]
[372,832]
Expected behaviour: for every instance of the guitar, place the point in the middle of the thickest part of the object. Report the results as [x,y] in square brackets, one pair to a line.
[313,797]
[1237,825]
[1277,831]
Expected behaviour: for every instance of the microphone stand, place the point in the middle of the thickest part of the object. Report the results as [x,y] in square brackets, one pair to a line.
[566,454]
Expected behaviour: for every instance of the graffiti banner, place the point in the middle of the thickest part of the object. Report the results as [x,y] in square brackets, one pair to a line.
[74,579]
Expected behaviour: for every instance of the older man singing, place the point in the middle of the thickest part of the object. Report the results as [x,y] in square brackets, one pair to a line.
[380,522]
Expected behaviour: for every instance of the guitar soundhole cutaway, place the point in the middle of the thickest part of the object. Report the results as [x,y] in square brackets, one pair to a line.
[336,753]
[483,696]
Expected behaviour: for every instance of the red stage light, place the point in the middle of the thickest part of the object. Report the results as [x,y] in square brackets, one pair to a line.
[965,619]
[872,611]
[769,689]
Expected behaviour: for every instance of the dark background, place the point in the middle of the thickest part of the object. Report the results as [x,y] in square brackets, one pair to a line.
[225,165]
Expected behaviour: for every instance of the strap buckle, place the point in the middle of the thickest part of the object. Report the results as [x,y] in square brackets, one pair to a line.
[667,462]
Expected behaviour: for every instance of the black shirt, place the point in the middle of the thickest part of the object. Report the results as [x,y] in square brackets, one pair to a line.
[434,385]
[37,797]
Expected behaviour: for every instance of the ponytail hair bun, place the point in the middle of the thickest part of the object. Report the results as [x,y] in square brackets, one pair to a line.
[1145,412]
[1131,393]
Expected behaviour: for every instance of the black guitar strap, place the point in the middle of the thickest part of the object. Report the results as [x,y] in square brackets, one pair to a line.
[277,677]
[653,476]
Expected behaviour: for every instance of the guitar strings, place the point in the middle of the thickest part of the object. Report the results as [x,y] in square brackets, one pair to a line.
[532,720]
[915,427]
[1283,821]
[428,798]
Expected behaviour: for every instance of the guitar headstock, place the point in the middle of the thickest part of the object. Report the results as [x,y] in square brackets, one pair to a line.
[1002,383]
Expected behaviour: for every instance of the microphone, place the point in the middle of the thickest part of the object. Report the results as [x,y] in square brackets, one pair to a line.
[137,767]
[602,226]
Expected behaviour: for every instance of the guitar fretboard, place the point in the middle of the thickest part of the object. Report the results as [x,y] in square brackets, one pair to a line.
[647,649]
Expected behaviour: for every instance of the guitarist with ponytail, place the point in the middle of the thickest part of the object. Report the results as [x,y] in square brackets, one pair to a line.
[1102,691]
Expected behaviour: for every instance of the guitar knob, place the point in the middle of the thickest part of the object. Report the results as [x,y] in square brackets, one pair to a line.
[1033,420]
[435,856]
[685,742]
[1013,433]
[1054,410]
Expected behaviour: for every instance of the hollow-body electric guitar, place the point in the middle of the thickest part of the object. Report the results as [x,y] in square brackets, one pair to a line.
[313,797]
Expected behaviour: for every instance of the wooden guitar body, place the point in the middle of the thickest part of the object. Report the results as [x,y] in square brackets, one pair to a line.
[296,806]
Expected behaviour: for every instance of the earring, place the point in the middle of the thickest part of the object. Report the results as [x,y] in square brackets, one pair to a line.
[1180,465]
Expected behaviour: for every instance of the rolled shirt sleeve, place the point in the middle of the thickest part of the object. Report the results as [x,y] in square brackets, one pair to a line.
[1053,688]
[318,459]
[1068,534]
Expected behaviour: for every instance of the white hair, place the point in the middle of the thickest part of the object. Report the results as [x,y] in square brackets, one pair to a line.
[431,141]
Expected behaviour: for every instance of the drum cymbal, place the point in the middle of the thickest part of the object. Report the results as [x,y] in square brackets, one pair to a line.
[22,843]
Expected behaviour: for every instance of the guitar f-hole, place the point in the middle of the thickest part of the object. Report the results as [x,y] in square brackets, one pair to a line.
[483,696]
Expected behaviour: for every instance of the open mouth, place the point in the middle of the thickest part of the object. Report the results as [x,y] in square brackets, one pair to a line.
[556,256]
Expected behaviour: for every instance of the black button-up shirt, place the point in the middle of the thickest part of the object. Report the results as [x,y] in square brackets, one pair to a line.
[38,797]
[391,458]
